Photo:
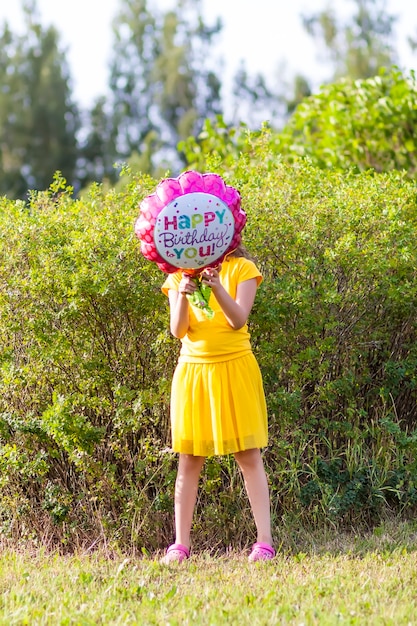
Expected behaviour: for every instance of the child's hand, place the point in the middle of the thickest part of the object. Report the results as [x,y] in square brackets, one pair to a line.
[187,285]
[211,277]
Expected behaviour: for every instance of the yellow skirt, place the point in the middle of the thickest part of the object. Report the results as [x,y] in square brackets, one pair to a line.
[218,408]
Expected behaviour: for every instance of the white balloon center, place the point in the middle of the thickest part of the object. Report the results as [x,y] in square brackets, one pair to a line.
[194,230]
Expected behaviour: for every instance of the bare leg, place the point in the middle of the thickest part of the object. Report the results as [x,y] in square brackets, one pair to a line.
[186,486]
[256,483]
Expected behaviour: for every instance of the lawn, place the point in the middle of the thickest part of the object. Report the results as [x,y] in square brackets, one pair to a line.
[348,579]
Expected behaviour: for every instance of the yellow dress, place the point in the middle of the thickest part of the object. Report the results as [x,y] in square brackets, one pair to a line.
[217,398]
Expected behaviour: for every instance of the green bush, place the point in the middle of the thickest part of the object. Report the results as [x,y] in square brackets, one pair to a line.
[369,124]
[364,124]
[86,359]
[334,330]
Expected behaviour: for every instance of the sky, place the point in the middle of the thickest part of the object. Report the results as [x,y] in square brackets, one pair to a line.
[265,34]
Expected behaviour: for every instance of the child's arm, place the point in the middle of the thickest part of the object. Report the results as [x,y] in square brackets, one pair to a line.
[178,304]
[236,311]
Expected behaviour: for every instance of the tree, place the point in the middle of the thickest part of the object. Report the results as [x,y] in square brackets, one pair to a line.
[97,151]
[301,90]
[254,101]
[162,85]
[359,47]
[38,119]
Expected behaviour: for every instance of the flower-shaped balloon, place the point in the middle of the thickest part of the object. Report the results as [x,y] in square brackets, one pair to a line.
[190,222]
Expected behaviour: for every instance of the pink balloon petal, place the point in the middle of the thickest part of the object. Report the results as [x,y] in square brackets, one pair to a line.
[191,182]
[214,184]
[168,190]
[231,196]
[240,221]
[167,268]
[142,227]
[151,206]
[148,250]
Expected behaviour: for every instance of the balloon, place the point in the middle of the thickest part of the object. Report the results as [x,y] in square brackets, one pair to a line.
[190,222]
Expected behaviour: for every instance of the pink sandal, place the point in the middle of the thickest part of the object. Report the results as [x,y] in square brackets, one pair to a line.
[261,552]
[177,553]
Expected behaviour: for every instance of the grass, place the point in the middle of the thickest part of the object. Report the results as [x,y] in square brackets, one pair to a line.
[366,580]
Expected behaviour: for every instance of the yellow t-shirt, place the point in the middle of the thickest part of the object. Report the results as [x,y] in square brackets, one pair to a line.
[213,340]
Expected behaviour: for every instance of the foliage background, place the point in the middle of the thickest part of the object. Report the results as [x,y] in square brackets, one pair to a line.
[167,78]
[86,358]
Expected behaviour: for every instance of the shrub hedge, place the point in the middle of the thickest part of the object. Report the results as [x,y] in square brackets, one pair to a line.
[86,359]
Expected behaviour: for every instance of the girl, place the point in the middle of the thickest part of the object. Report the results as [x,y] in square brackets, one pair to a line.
[217,398]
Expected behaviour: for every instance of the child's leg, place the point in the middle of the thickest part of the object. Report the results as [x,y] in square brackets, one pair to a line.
[256,483]
[186,486]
